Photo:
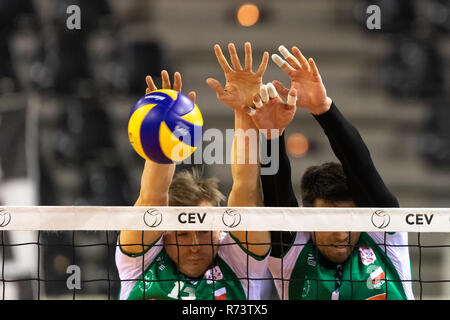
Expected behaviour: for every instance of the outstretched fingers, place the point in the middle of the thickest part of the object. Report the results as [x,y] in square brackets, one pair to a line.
[257,101]
[221,59]
[294,63]
[165,79]
[234,57]
[266,92]
[300,57]
[192,96]
[150,85]
[281,89]
[177,82]
[263,66]
[291,100]
[314,70]
[281,63]
[248,57]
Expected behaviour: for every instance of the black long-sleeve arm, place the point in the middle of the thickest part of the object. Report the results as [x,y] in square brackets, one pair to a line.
[365,184]
[277,188]
[278,192]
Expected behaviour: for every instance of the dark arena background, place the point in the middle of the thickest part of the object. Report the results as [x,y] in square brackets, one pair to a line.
[66,94]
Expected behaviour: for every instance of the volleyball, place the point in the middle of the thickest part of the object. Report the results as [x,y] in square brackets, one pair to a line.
[165,126]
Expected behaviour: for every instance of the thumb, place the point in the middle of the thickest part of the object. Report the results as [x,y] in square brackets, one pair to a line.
[215,85]
[281,89]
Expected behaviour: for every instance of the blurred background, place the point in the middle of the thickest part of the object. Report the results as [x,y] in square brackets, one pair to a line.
[65,97]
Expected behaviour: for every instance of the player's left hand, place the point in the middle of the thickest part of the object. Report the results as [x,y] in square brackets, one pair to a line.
[241,83]
[271,112]
[305,77]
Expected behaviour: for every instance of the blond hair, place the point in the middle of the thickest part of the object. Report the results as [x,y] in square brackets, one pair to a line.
[189,189]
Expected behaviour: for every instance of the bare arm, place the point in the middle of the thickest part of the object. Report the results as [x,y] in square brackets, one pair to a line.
[155,182]
[246,190]
[241,85]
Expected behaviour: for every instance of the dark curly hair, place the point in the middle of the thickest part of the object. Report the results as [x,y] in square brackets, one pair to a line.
[326,181]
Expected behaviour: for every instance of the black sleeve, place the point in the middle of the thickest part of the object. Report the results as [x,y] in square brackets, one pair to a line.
[277,188]
[365,184]
[278,192]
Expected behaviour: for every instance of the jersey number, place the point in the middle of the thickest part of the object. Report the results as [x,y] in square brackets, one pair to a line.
[176,290]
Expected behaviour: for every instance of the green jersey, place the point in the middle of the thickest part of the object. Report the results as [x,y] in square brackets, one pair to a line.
[378,269]
[153,275]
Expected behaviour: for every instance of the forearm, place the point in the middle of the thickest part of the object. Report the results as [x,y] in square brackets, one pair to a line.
[155,183]
[245,163]
[277,188]
[366,185]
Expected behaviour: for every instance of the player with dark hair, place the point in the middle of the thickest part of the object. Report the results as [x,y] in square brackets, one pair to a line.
[329,265]
[200,265]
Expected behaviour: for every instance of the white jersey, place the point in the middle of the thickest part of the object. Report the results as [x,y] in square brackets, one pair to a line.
[378,256]
[245,269]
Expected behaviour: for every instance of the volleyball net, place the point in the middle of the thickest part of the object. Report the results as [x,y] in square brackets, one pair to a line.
[74,252]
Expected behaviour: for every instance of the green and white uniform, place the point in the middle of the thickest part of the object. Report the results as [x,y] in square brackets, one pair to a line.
[378,269]
[153,275]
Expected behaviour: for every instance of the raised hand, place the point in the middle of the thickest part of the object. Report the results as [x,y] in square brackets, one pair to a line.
[271,112]
[241,84]
[177,84]
[305,77]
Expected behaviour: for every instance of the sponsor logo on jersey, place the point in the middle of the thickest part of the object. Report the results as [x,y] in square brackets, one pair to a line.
[381,296]
[311,260]
[213,274]
[335,294]
[378,278]
[220,294]
[306,288]
[367,255]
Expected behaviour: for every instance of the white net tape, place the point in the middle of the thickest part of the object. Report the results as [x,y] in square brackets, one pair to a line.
[225,218]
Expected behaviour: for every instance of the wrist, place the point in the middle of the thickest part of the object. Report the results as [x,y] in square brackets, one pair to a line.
[323,108]
[272,134]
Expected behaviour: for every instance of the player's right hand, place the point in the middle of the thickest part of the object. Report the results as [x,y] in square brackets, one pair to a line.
[271,112]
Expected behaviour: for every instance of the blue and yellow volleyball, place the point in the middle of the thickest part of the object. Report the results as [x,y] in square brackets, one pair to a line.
[165,126]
